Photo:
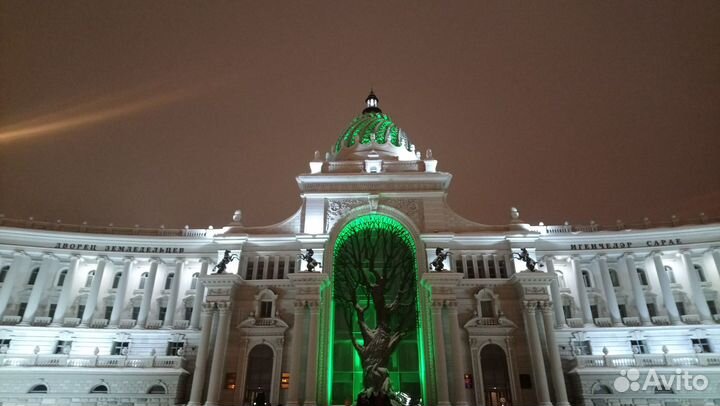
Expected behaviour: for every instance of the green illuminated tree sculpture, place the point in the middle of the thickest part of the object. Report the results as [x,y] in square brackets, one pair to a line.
[375,276]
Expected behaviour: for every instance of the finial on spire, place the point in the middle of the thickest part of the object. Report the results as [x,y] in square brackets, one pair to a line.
[372,103]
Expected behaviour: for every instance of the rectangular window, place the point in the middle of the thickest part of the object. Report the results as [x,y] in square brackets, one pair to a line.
[261,269]
[458,266]
[265,309]
[21,309]
[5,343]
[63,347]
[249,270]
[582,347]
[701,345]
[281,269]
[230,379]
[486,308]
[680,307]
[80,311]
[623,310]
[470,269]
[594,311]
[188,313]
[271,268]
[291,266]
[51,310]
[567,311]
[481,268]
[117,347]
[163,311]
[173,347]
[503,268]
[108,312]
[135,312]
[651,309]
[712,307]
[491,268]
[639,347]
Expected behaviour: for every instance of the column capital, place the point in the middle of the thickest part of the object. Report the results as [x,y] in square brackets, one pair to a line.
[128,260]
[546,306]
[547,258]
[575,257]
[49,255]
[156,261]
[103,258]
[714,250]
[529,306]
[21,253]
[437,304]
[205,260]
[655,254]
[299,304]
[628,255]
[180,261]
[601,257]
[208,307]
[223,307]
[451,304]
[686,251]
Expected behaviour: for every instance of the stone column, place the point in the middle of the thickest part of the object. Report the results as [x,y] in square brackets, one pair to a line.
[486,269]
[696,289]
[638,294]
[668,298]
[67,292]
[458,362]
[120,292]
[556,369]
[538,365]
[582,291]
[443,396]
[555,293]
[199,293]
[47,270]
[92,300]
[218,362]
[312,349]
[297,350]
[201,359]
[147,294]
[18,268]
[715,255]
[509,265]
[174,292]
[609,291]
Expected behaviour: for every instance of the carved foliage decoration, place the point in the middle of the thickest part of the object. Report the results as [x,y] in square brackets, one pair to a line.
[338,208]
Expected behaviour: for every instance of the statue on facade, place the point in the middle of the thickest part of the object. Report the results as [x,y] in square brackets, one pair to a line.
[222,265]
[308,257]
[525,257]
[437,263]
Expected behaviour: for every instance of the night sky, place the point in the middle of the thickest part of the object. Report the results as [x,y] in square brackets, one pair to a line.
[180,112]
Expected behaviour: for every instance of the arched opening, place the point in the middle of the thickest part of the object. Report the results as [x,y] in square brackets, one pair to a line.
[157,390]
[143,278]
[89,279]
[102,388]
[258,381]
[670,274]
[495,379]
[41,388]
[61,277]
[599,389]
[116,280]
[369,249]
[33,276]
[169,280]
[193,283]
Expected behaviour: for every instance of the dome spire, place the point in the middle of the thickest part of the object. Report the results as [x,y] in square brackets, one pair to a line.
[372,103]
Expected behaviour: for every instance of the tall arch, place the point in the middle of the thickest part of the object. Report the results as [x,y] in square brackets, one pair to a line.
[259,373]
[497,388]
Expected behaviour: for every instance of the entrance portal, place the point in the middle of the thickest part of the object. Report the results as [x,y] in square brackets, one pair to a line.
[259,374]
[495,380]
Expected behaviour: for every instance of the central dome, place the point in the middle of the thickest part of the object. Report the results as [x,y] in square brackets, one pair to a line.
[373,132]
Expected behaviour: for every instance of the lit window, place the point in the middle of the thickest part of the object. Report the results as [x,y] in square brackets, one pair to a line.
[63,347]
[173,347]
[119,347]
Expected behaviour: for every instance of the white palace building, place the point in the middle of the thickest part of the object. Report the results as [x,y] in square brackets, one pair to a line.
[620,315]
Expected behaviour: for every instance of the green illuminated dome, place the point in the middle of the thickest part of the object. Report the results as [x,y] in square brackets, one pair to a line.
[373,131]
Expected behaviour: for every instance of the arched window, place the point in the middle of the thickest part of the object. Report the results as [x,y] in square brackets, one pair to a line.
[670,274]
[587,279]
[700,273]
[143,278]
[116,280]
[642,276]
[33,276]
[169,280]
[89,279]
[487,308]
[561,279]
[40,388]
[614,278]
[157,390]
[3,273]
[193,283]
[102,388]
[61,277]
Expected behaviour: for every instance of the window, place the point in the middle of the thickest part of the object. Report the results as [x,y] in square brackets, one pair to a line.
[51,310]
[271,267]
[623,310]
[582,347]
[712,307]
[291,268]
[108,312]
[99,389]
[700,273]
[41,388]
[486,308]
[561,279]
[639,347]
[194,281]
[61,277]
[249,270]
[481,269]
[567,311]
[491,268]
[642,276]
[135,312]
[670,274]
[281,270]
[116,280]
[143,278]
[89,279]
[119,347]
[3,273]
[33,276]
[4,345]
[502,268]
[266,309]
[21,309]
[169,280]
[188,313]
[458,266]
[63,347]
[260,269]
[680,307]
[163,312]
[594,311]
[614,278]
[173,347]
[652,310]
[157,390]
[587,280]
[701,345]
[470,268]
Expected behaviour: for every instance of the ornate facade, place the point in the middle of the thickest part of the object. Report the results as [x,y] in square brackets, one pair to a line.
[115,316]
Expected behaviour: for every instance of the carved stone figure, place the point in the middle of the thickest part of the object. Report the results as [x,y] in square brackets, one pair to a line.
[437,263]
[308,257]
[525,256]
[222,265]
